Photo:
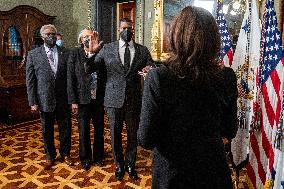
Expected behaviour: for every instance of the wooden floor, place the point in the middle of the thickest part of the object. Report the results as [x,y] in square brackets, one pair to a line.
[22,157]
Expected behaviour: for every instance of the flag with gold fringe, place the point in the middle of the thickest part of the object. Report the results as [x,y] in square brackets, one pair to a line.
[246,59]
[265,166]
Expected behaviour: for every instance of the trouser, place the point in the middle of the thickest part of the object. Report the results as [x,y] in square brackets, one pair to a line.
[131,118]
[63,119]
[97,116]
[86,112]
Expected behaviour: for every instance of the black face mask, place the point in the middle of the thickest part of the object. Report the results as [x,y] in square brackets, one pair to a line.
[50,41]
[86,43]
[126,35]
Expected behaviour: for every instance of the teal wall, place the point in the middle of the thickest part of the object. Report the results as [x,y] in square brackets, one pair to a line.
[148,22]
[80,15]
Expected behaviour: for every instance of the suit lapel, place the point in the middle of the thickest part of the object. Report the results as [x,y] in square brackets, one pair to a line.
[117,56]
[43,54]
[135,58]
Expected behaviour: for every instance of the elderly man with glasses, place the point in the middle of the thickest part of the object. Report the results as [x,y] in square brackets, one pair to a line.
[46,79]
[86,94]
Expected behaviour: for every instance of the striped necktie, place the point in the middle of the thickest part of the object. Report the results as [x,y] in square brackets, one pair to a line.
[50,56]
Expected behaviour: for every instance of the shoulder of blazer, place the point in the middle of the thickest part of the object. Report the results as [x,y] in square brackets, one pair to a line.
[75,52]
[139,45]
[230,78]
[63,49]
[112,44]
[80,51]
[36,50]
[142,48]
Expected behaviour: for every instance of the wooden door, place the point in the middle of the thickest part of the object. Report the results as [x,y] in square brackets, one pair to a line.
[128,10]
[105,20]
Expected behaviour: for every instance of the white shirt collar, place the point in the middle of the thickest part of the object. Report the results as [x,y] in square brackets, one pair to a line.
[122,43]
[47,48]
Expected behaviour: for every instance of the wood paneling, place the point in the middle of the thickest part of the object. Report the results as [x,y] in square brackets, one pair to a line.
[13,96]
[128,10]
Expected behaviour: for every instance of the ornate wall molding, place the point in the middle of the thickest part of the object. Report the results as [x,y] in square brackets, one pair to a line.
[90,13]
[157,31]
[140,10]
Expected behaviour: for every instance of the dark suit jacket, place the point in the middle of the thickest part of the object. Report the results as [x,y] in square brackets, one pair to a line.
[79,82]
[184,124]
[43,88]
[121,83]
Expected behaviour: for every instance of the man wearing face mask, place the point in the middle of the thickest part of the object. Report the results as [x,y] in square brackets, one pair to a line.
[59,41]
[86,94]
[46,80]
[123,59]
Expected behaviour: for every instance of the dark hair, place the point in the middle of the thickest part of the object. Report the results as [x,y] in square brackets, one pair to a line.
[194,44]
[125,20]
[58,34]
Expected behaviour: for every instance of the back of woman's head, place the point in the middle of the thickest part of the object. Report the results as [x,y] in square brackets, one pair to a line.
[195,44]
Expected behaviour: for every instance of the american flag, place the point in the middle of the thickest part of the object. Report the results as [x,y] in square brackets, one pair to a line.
[263,156]
[226,53]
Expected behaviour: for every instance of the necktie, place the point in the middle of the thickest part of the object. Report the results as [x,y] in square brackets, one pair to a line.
[50,56]
[127,57]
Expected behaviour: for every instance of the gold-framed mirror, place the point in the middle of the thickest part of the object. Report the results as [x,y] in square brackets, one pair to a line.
[164,12]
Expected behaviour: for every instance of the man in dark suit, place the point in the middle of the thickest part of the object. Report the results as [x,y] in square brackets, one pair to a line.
[123,59]
[46,79]
[86,94]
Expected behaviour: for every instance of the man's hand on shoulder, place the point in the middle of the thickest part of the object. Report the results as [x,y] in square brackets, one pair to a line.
[145,71]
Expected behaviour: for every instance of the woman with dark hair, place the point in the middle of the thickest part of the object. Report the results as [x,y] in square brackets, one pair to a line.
[188,104]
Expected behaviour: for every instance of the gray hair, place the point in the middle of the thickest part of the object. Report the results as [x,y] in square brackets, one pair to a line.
[47,26]
[81,34]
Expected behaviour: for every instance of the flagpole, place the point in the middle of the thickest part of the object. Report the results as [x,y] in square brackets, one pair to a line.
[280,129]
[255,125]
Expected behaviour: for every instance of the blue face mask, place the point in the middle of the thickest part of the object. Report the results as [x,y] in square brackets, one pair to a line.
[59,43]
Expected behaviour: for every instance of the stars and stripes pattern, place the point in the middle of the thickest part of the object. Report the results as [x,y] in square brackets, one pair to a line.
[226,54]
[264,159]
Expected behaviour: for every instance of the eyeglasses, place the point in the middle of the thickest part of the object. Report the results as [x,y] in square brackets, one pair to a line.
[87,36]
[48,34]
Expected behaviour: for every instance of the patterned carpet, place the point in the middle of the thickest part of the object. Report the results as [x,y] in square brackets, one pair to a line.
[22,158]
